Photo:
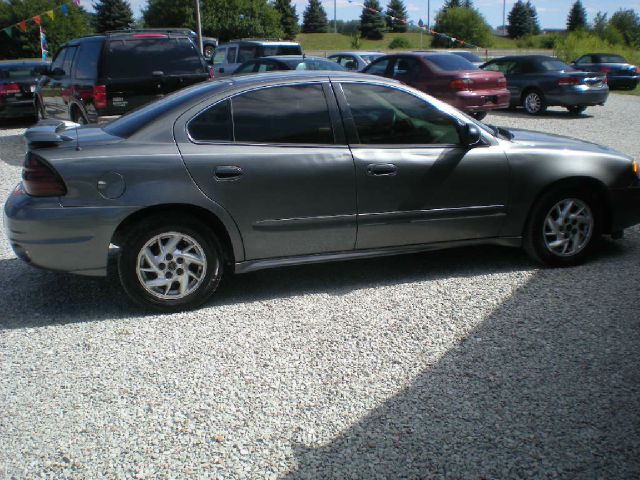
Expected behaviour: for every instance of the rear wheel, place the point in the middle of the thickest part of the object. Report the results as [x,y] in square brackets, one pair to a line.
[564,227]
[479,115]
[170,264]
[533,102]
[208,51]
[576,110]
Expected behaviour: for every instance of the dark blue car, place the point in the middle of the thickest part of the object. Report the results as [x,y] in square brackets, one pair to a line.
[620,73]
[539,81]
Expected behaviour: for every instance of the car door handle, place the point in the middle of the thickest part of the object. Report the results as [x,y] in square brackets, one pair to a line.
[382,169]
[227,172]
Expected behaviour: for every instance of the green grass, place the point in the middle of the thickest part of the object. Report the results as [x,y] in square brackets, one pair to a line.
[337,41]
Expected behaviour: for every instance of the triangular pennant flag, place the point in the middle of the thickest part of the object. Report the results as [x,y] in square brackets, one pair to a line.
[37,19]
[23,25]
[51,14]
[8,31]
[77,3]
[65,9]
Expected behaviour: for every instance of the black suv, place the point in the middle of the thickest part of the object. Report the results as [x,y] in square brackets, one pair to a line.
[105,75]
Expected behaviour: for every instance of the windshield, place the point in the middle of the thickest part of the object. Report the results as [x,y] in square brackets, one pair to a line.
[450,63]
[20,72]
[472,57]
[611,59]
[552,65]
[370,58]
[314,64]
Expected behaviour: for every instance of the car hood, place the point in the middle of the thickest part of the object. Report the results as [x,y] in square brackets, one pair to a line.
[530,138]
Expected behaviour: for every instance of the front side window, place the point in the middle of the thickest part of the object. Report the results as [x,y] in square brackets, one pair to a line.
[386,116]
[68,60]
[288,114]
[406,67]
[379,67]
[584,60]
[58,62]
[214,124]
[231,55]
[247,53]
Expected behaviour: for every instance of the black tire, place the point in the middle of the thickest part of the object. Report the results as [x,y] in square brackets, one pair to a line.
[576,110]
[534,235]
[78,117]
[208,50]
[40,114]
[533,102]
[479,115]
[191,230]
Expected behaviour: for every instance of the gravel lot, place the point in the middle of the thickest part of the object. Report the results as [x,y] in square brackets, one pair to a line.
[469,363]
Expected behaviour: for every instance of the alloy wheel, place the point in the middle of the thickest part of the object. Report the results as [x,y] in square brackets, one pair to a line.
[533,102]
[568,227]
[171,265]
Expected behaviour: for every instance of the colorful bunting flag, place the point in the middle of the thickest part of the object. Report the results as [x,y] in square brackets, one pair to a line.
[23,25]
[51,14]
[37,19]
[8,31]
[64,9]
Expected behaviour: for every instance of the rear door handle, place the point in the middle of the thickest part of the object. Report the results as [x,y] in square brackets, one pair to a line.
[382,169]
[227,172]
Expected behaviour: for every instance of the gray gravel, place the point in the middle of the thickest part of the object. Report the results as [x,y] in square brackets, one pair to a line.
[468,363]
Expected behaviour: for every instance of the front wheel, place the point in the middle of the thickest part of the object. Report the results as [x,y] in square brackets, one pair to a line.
[208,51]
[170,264]
[563,228]
[534,103]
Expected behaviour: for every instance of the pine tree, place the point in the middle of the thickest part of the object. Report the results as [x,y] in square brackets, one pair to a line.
[577,18]
[519,20]
[372,24]
[600,24]
[451,4]
[534,23]
[396,9]
[288,18]
[112,15]
[314,18]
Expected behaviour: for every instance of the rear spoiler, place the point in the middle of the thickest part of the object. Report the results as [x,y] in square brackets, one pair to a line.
[50,133]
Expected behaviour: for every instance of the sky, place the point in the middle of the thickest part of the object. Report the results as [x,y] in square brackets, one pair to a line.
[552,13]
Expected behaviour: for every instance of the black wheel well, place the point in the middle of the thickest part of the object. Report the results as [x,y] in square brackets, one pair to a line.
[587,183]
[208,219]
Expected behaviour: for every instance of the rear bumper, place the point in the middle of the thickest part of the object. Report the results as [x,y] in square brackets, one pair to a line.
[578,97]
[481,100]
[46,235]
[623,81]
[21,108]
[625,207]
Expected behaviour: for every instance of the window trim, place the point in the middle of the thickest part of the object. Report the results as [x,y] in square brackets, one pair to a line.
[352,130]
[332,119]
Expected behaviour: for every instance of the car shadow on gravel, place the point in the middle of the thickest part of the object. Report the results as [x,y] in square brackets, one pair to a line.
[36,298]
[520,113]
[12,150]
[548,386]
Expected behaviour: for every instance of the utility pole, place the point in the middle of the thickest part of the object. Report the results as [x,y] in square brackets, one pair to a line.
[335,18]
[429,15]
[198,25]
[504,9]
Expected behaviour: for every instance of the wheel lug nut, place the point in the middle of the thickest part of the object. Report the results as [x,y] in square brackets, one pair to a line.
[162,266]
[169,256]
[168,275]
[180,271]
[180,260]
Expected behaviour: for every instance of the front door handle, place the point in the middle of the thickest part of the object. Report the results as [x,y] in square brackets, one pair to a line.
[382,169]
[227,172]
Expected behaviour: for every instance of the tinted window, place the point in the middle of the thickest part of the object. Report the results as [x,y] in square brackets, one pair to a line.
[20,71]
[271,50]
[584,60]
[553,65]
[58,62]
[450,63]
[503,66]
[296,114]
[141,56]
[379,67]
[387,116]
[247,53]
[611,59]
[231,54]
[246,68]
[472,57]
[214,124]
[68,60]
[406,66]
[86,64]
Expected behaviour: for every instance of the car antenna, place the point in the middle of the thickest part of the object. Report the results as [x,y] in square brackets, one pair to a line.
[77,140]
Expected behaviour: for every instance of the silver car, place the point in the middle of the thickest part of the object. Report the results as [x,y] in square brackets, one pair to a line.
[271,170]
[354,61]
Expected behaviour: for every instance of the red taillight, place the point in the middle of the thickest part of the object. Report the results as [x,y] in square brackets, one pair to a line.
[461,84]
[638,70]
[605,69]
[100,96]
[40,179]
[502,82]
[211,73]
[9,88]
[569,81]
[605,80]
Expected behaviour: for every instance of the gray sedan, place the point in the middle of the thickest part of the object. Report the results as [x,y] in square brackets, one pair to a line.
[278,169]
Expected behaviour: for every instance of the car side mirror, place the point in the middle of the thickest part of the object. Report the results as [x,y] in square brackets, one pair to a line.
[470,135]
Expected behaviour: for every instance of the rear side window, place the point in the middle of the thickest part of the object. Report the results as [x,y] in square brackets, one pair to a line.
[58,62]
[139,57]
[86,64]
[214,124]
[379,67]
[611,59]
[450,63]
[290,114]
[247,53]
[553,65]
[390,117]
[270,50]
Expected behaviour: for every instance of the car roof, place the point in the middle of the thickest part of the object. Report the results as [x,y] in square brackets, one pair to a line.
[526,57]
[356,53]
[259,42]
[291,57]
[10,63]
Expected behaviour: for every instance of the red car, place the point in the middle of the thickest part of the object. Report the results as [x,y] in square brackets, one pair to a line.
[447,77]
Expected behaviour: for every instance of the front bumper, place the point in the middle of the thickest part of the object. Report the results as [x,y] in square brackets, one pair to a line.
[625,207]
[71,239]
[581,96]
[481,100]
